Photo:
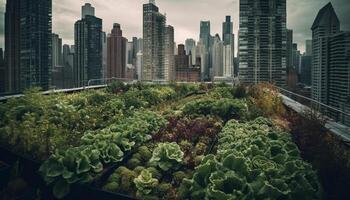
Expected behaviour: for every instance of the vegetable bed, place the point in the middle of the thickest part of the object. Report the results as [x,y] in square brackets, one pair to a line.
[160,142]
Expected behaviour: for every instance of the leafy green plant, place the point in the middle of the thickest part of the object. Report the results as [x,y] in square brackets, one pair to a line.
[145,183]
[167,156]
[254,161]
[75,165]
[224,108]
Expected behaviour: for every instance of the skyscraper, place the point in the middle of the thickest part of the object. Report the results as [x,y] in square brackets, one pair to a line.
[2,72]
[88,48]
[104,55]
[56,50]
[116,53]
[87,9]
[330,63]
[206,40]
[153,43]
[190,45]
[28,30]
[68,63]
[169,54]
[289,50]
[229,47]
[262,45]
[12,46]
[308,47]
[217,57]
[339,75]
[325,25]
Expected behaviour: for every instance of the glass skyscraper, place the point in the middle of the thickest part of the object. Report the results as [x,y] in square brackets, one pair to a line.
[262,41]
[28,30]
[88,49]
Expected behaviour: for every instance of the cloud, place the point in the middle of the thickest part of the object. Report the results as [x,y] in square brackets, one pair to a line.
[184,15]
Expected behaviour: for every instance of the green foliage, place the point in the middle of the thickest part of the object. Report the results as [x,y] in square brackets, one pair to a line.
[224,108]
[167,156]
[117,87]
[145,183]
[71,166]
[254,161]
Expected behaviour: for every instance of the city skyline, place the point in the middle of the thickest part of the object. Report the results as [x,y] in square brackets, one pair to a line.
[65,14]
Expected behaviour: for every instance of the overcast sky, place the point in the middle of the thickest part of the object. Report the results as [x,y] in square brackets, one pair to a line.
[184,15]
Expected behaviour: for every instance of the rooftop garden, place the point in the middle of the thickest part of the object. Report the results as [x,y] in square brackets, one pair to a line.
[178,141]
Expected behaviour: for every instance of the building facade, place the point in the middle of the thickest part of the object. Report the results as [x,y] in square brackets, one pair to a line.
[262,41]
[116,53]
[88,49]
[153,43]
[28,30]
[325,25]
[169,63]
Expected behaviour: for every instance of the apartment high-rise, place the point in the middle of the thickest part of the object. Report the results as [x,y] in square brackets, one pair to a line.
[262,41]
[153,43]
[116,53]
[325,25]
[88,48]
[28,30]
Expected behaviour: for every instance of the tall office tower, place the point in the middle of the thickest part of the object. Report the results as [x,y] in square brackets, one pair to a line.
[207,41]
[57,75]
[325,25]
[129,52]
[169,65]
[339,75]
[56,50]
[12,46]
[2,72]
[262,45]
[217,57]
[296,57]
[139,63]
[87,9]
[190,45]
[306,64]
[140,45]
[289,47]
[68,63]
[202,55]
[28,44]
[104,55]
[116,51]
[88,48]
[308,47]
[305,75]
[229,47]
[153,43]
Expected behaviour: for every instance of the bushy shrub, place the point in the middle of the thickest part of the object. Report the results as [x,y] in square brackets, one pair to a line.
[253,161]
